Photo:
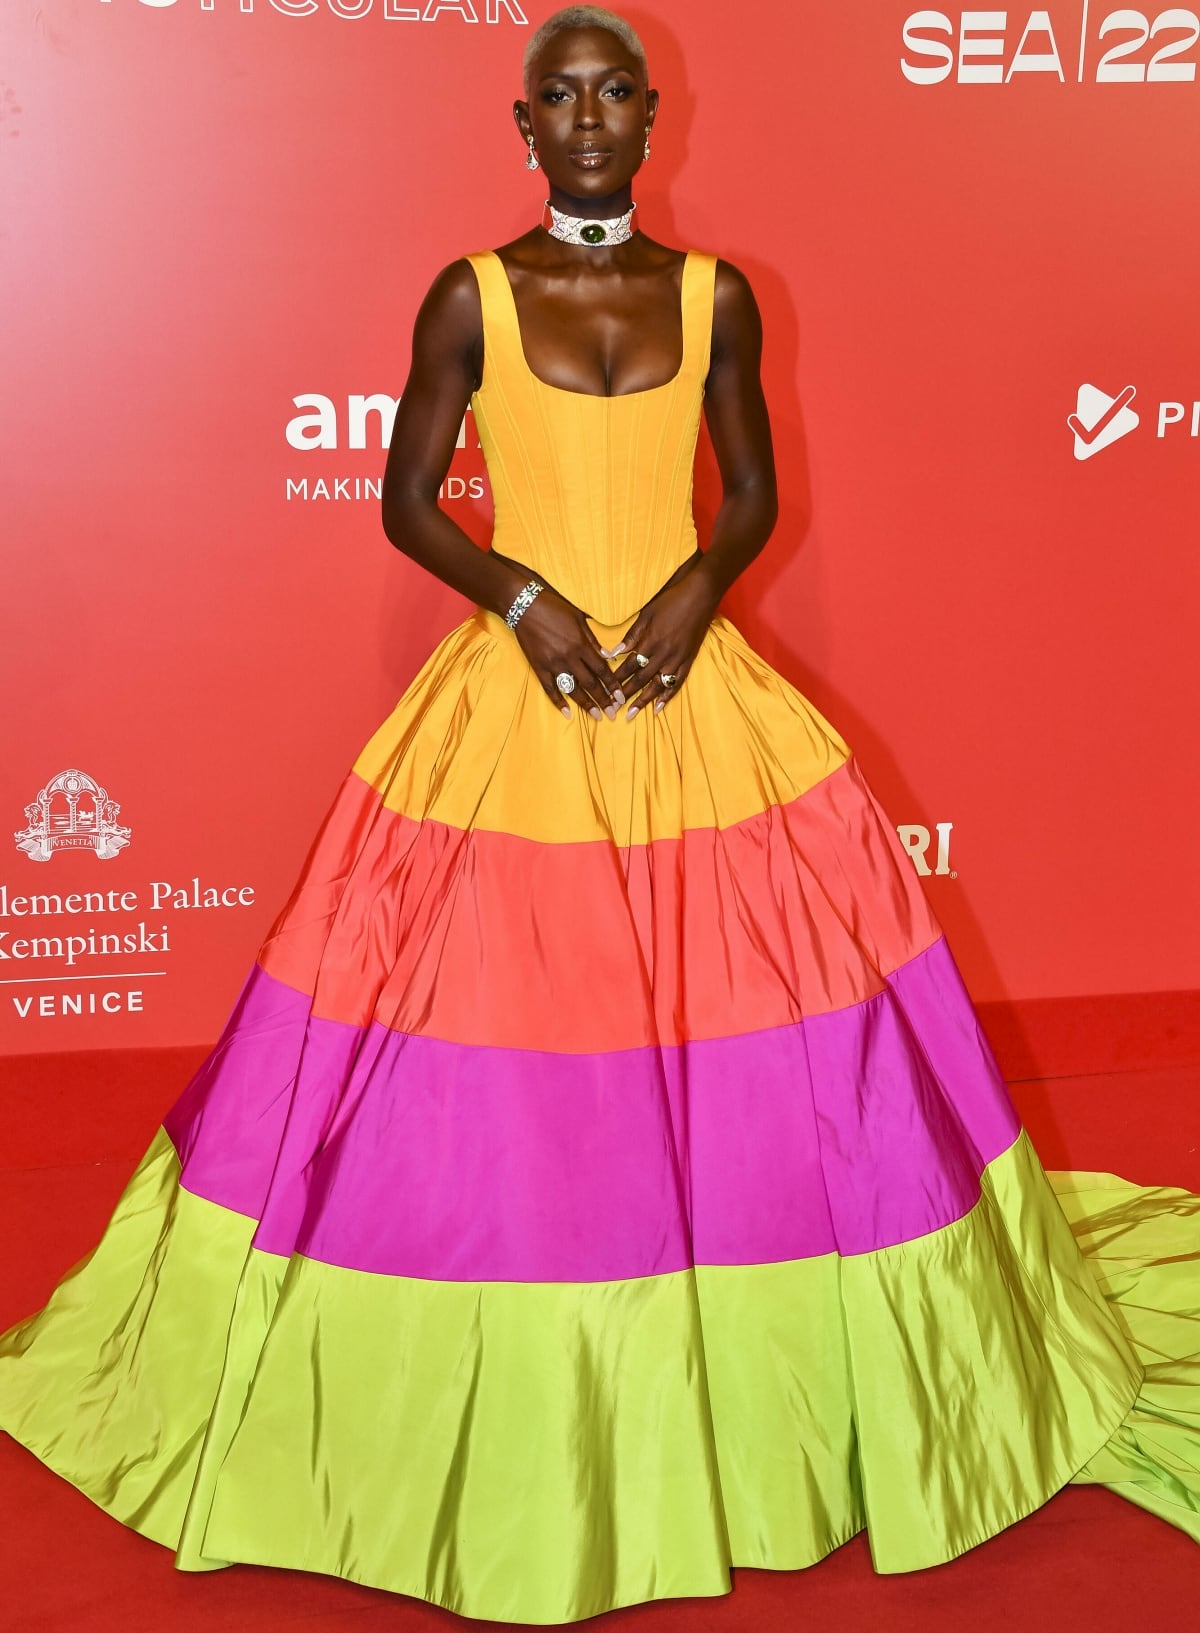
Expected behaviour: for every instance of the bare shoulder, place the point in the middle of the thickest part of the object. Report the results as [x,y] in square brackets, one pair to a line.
[449,324]
[737,326]
[732,293]
[453,296]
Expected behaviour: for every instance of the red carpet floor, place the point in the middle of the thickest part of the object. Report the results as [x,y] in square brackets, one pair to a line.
[1087,1562]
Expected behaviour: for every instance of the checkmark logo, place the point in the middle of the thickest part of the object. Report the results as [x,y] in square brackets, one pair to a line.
[1100,419]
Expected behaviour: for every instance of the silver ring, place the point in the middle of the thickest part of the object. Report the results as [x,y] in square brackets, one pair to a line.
[642,659]
[565,682]
[668,680]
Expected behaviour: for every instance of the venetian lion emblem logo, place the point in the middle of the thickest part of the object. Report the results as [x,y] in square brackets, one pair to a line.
[72,813]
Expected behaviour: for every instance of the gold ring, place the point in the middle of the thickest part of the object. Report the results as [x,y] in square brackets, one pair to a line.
[642,659]
[668,680]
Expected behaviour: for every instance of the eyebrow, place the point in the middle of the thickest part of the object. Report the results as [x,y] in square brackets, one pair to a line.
[619,69]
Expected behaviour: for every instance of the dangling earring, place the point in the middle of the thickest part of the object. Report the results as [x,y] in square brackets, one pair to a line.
[531,158]
[646,149]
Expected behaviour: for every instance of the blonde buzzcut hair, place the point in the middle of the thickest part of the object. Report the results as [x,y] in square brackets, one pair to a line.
[583,17]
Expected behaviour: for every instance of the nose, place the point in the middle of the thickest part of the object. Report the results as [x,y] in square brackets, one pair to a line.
[589,113]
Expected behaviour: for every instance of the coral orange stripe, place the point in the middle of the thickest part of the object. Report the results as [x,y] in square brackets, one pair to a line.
[478,937]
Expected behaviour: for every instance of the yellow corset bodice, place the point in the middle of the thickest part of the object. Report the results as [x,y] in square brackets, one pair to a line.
[593,493]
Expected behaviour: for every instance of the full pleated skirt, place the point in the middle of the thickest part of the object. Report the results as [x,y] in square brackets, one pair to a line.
[602,1180]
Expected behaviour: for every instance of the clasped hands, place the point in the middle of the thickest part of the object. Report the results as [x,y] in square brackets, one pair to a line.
[555,636]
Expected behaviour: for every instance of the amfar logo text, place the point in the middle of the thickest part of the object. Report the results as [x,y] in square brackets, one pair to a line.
[365,422]
[996,47]
[350,11]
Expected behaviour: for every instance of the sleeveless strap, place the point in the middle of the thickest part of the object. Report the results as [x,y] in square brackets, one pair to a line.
[501,336]
[698,310]
[502,330]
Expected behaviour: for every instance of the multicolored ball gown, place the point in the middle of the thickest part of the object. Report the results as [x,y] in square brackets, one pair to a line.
[602,1178]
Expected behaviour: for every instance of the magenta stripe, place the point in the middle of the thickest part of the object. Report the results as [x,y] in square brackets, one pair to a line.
[406,1155]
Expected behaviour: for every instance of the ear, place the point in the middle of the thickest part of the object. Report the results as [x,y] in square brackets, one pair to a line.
[524,123]
[651,105]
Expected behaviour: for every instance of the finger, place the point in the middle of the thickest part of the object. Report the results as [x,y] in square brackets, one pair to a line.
[600,685]
[550,687]
[632,676]
[597,679]
[641,642]
[587,693]
[655,694]
[631,637]
[594,701]
[594,645]
[616,693]
[643,700]
[666,693]
[564,699]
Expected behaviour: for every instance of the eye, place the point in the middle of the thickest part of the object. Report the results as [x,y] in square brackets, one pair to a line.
[553,94]
[622,91]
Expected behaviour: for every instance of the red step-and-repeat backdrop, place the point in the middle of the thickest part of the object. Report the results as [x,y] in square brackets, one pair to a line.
[975,242]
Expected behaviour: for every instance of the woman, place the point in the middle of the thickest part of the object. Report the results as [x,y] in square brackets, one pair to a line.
[533,1297]
[596,320]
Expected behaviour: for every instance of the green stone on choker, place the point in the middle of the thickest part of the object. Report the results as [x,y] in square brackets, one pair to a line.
[577,229]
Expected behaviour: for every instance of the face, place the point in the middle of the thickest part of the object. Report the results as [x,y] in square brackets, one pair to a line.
[587,112]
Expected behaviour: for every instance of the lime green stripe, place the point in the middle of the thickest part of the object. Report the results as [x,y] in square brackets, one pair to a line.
[1142,1244]
[112,1382]
[986,1369]
[529,1452]
[541,1453]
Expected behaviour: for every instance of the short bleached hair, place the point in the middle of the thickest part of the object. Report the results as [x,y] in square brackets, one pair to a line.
[583,17]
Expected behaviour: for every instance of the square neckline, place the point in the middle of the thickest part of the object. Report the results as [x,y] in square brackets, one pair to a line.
[598,396]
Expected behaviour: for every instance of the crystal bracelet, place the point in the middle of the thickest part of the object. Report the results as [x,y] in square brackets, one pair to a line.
[524,599]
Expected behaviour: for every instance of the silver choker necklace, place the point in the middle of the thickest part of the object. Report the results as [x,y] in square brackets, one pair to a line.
[582,229]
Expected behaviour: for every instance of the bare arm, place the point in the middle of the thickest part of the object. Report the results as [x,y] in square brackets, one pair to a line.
[447,352]
[736,413]
[447,356]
